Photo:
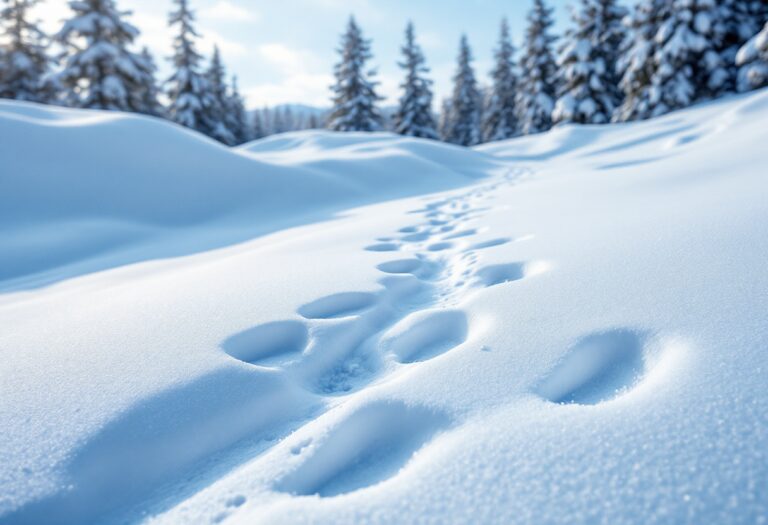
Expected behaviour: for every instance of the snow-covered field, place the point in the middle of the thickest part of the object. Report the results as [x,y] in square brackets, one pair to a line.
[342,328]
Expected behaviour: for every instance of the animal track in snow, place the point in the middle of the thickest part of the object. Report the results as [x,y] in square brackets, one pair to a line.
[440,246]
[352,339]
[462,233]
[400,266]
[426,334]
[501,273]
[369,446]
[415,237]
[383,247]
[338,305]
[597,368]
[490,243]
[268,344]
[509,272]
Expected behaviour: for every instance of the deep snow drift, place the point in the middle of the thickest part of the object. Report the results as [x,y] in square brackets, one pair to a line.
[87,190]
[577,334]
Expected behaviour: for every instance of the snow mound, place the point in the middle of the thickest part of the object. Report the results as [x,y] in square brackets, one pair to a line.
[580,338]
[79,184]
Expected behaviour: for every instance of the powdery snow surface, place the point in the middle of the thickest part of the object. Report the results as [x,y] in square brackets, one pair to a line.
[110,188]
[579,337]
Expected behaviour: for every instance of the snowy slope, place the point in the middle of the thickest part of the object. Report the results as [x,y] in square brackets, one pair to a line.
[89,190]
[579,339]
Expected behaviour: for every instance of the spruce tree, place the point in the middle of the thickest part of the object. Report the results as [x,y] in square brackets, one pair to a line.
[742,19]
[500,115]
[188,90]
[588,91]
[538,72]
[24,61]
[289,121]
[637,63]
[689,65]
[100,71]
[150,92]
[217,108]
[276,124]
[444,119]
[259,127]
[354,94]
[752,59]
[236,116]
[464,112]
[414,114]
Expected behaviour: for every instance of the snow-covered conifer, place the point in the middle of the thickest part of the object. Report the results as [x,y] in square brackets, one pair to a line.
[188,90]
[275,119]
[236,116]
[289,120]
[24,61]
[464,112]
[99,70]
[752,59]
[637,63]
[588,89]
[354,94]
[217,108]
[675,57]
[689,64]
[538,72]
[500,115]
[258,125]
[414,114]
[444,119]
[150,92]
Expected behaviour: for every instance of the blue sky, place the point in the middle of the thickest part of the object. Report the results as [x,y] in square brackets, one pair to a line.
[283,51]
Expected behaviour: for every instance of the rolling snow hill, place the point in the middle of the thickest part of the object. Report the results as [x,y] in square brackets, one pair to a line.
[321,328]
[88,190]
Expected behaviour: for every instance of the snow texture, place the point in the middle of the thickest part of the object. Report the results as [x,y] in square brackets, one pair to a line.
[369,328]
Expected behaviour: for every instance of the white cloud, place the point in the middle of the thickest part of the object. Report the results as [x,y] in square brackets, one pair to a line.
[430,40]
[226,11]
[312,89]
[288,60]
[302,76]
[154,32]
[229,48]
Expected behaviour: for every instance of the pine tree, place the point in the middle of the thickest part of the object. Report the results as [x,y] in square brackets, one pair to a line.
[188,91]
[742,19]
[463,126]
[354,95]
[150,92]
[259,127]
[444,119]
[637,63]
[414,114]
[217,109]
[100,72]
[538,72]
[236,115]
[690,66]
[588,92]
[276,124]
[753,61]
[500,115]
[289,121]
[24,61]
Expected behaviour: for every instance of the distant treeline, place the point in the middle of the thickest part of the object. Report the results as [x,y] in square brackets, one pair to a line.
[611,65]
